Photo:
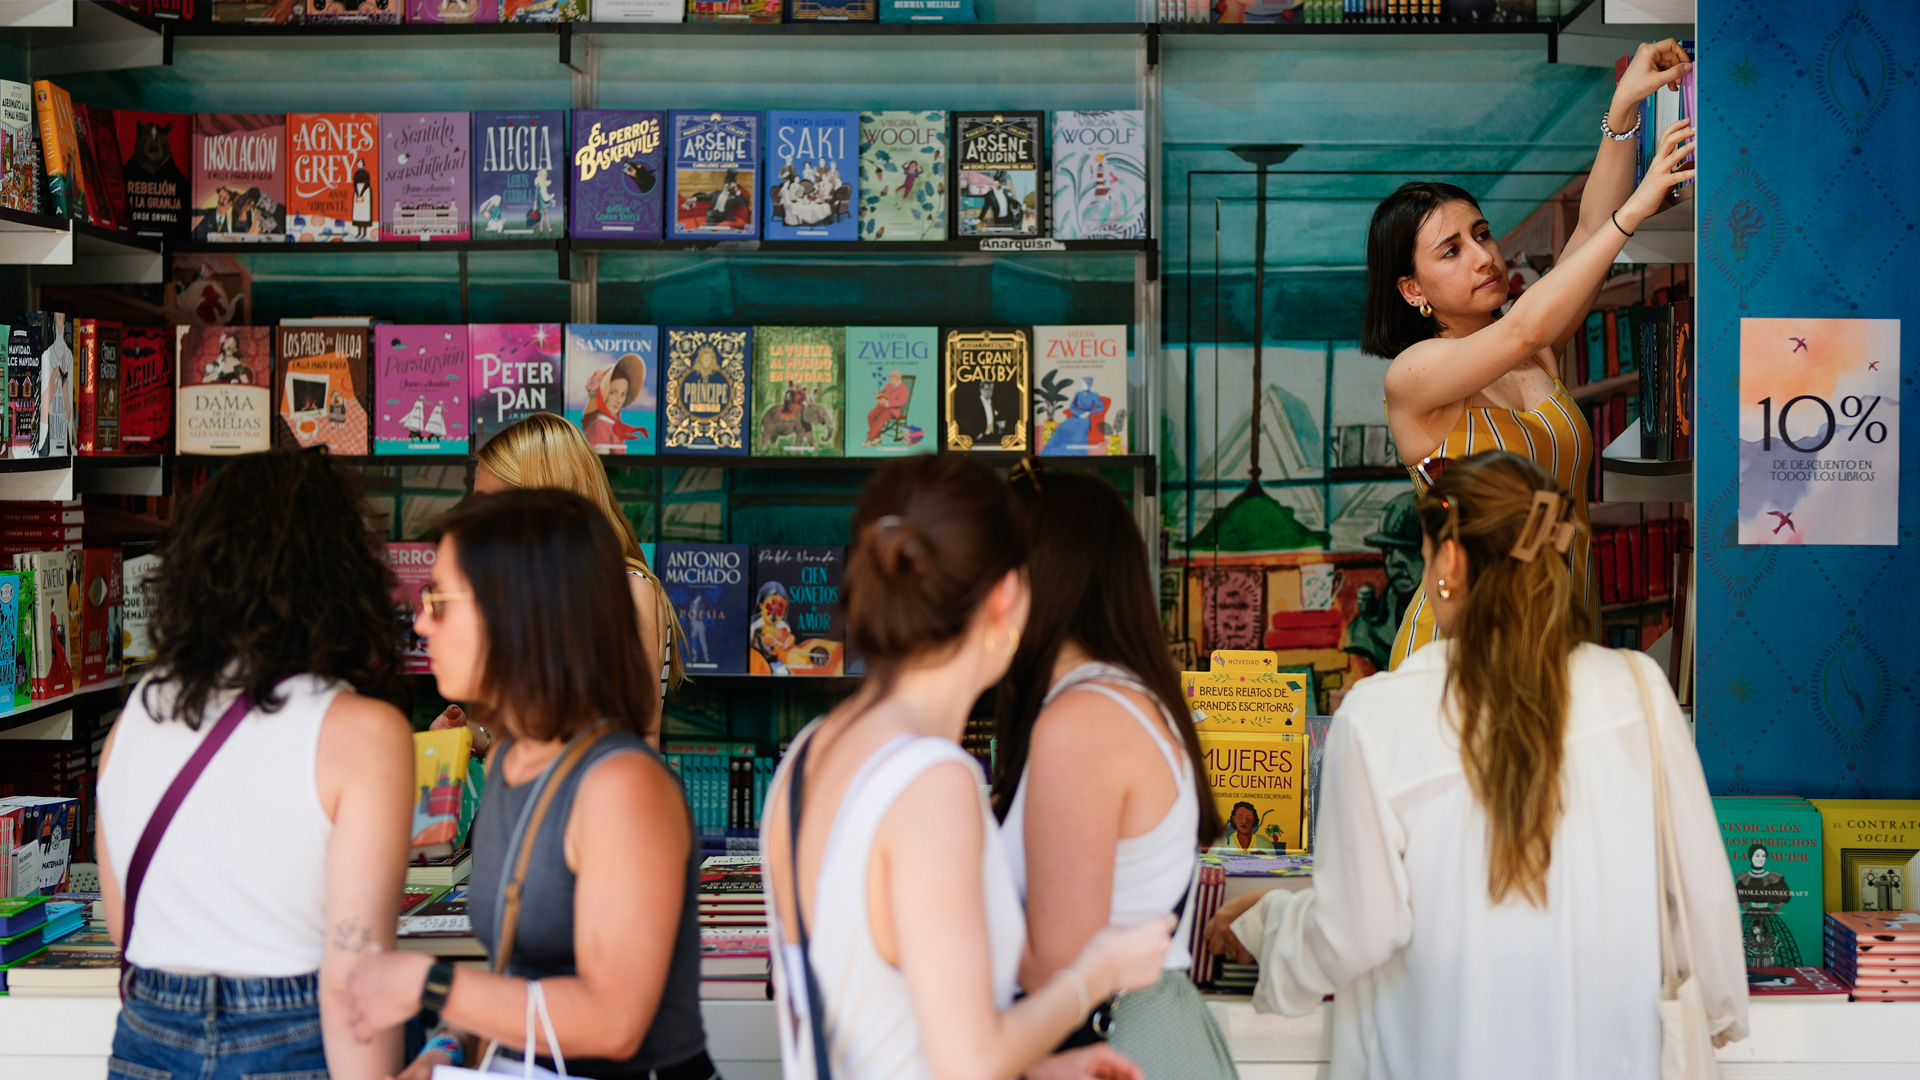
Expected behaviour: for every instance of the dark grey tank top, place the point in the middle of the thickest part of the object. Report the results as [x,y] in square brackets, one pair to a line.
[543,944]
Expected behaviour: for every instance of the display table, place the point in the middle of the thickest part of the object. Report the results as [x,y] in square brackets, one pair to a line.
[68,1039]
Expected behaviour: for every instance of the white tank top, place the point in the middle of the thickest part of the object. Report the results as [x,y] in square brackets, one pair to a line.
[238,885]
[1152,871]
[869,1020]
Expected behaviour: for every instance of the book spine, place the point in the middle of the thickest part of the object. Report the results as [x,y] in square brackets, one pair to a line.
[86,339]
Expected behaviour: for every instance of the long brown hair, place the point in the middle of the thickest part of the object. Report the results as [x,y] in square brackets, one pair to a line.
[546,570]
[1507,678]
[1094,592]
[545,450]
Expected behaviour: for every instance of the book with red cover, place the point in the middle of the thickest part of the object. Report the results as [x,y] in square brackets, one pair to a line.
[155,157]
[99,614]
[96,365]
[1794,982]
[146,389]
[239,177]
[99,140]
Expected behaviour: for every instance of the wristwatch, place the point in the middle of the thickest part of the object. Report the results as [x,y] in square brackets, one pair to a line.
[433,996]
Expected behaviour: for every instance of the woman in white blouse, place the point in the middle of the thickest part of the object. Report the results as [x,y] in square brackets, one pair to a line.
[1484,900]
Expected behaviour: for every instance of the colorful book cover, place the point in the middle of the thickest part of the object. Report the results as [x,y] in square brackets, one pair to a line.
[136,611]
[709,585]
[10,598]
[611,391]
[812,177]
[239,177]
[53,640]
[100,163]
[19,153]
[797,626]
[985,377]
[226,389]
[514,373]
[715,170]
[439,775]
[40,392]
[420,388]
[25,634]
[1099,171]
[704,390]
[892,373]
[424,176]
[903,175]
[100,585]
[146,389]
[412,566]
[23,383]
[1257,781]
[323,395]
[332,162]
[155,149]
[926,11]
[618,183]
[97,372]
[757,11]
[799,406]
[1774,848]
[833,11]
[1080,389]
[1865,847]
[60,151]
[352,11]
[453,11]
[519,191]
[997,163]
[544,10]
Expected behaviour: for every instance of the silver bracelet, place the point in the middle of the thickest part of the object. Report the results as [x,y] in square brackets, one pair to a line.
[1606,129]
[1079,987]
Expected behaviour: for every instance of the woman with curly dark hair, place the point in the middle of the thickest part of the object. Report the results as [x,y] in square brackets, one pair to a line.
[255,798]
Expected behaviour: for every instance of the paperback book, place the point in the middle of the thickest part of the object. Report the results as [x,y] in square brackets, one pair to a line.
[439,777]
[611,392]
[1099,171]
[324,393]
[425,177]
[59,152]
[420,390]
[239,177]
[518,186]
[715,170]
[704,390]
[412,566]
[332,159]
[812,175]
[709,585]
[515,373]
[892,373]
[797,626]
[997,169]
[985,376]
[155,149]
[618,178]
[226,376]
[799,406]
[903,175]
[1080,389]
[19,152]
[453,11]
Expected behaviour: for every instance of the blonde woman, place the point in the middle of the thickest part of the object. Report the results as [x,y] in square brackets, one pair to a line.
[545,451]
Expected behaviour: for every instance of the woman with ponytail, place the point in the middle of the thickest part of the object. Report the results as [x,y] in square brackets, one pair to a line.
[1485,887]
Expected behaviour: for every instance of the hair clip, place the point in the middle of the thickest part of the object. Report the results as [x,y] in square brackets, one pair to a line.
[889,521]
[1544,526]
[1030,470]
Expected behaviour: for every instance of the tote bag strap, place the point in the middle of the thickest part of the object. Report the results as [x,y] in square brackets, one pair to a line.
[527,833]
[796,781]
[1673,897]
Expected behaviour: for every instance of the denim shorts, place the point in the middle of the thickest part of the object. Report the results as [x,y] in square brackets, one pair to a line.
[206,1027]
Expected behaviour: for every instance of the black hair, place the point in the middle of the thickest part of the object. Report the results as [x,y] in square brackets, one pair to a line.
[1762,848]
[1390,323]
[1251,809]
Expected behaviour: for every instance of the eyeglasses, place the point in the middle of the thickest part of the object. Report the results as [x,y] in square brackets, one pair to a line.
[1430,468]
[435,603]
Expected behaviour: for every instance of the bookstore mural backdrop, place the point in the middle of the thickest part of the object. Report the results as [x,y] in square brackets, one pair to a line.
[1806,653]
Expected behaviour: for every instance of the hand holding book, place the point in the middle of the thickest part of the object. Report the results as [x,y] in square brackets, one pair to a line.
[1655,64]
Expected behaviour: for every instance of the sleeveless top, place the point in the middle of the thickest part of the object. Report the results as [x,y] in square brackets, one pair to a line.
[238,887]
[1557,438]
[1152,871]
[869,1019]
[543,943]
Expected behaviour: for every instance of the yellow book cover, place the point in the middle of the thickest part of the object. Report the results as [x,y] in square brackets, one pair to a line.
[439,777]
[1866,846]
[1256,660]
[1247,701]
[1259,785]
[60,150]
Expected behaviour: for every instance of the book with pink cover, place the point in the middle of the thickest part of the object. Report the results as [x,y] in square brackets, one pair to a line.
[514,372]
[420,390]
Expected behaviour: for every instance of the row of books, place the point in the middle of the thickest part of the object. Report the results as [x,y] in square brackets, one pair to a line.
[627,174]
[1361,12]
[396,12]
[761,609]
[38,834]
[1635,562]
[65,623]
[726,786]
[352,385]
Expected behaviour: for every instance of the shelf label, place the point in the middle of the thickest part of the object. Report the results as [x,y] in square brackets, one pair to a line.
[1010,244]
[1820,431]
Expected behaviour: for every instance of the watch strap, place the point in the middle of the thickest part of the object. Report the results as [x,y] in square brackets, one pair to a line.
[433,996]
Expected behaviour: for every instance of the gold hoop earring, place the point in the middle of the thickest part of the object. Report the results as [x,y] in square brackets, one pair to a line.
[1441,588]
[1013,643]
[1426,311]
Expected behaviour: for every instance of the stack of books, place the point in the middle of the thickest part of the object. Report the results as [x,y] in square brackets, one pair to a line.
[1877,953]
[50,948]
[433,919]
[1804,983]
[734,958]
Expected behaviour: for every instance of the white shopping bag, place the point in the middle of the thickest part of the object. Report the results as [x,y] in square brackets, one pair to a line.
[536,1004]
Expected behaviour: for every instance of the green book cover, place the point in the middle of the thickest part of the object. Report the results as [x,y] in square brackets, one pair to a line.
[1774,850]
[892,390]
[903,175]
[799,406]
[1596,347]
[23,642]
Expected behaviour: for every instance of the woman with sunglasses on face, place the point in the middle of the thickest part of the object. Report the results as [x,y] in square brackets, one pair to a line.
[1486,896]
[897,929]
[1466,379]
[578,807]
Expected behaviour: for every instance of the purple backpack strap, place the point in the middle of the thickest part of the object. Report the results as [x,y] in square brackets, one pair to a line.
[169,804]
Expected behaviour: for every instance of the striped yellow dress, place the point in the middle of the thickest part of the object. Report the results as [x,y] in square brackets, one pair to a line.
[1556,436]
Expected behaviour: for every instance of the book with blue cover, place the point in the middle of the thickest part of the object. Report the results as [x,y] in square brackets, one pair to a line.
[926,11]
[618,178]
[709,585]
[705,386]
[797,625]
[714,172]
[812,176]
[611,394]
[519,175]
